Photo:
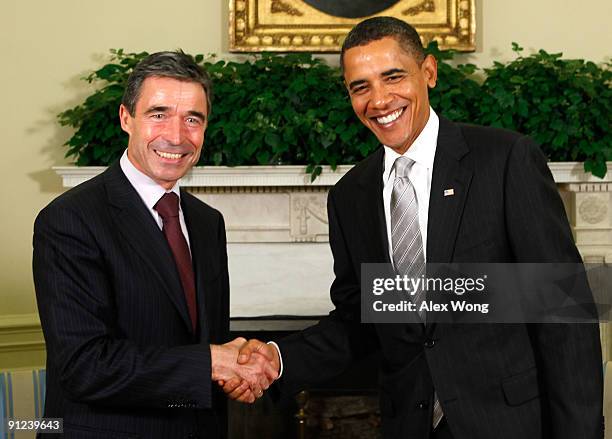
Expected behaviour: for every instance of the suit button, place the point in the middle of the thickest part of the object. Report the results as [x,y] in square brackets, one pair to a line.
[422,405]
[429,343]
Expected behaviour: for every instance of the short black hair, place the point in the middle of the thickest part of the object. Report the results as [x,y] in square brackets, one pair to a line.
[377,28]
[176,65]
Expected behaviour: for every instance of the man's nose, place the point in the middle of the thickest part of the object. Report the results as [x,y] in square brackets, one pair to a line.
[381,98]
[175,131]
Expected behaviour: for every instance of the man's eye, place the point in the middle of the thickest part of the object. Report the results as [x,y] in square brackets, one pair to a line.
[193,120]
[394,78]
[157,116]
[358,90]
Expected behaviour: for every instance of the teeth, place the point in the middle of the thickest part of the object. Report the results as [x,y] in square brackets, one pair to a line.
[168,155]
[390,118]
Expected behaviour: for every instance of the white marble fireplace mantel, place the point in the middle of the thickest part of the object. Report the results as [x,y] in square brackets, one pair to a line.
[276,219]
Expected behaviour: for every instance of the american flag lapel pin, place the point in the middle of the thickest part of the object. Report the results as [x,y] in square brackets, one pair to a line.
[449,192]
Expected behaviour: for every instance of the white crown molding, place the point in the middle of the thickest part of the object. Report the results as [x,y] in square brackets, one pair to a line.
[225,176]
[573,172]
[284,176]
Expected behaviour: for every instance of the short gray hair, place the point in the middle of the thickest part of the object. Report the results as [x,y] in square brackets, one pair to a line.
[176,65]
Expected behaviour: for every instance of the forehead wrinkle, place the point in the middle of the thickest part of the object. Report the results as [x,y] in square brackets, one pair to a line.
[170,98]
[193,92]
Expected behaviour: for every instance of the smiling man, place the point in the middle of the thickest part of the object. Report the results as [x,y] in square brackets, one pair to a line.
[443,192]
[166,128]
[131,278]
[388,89]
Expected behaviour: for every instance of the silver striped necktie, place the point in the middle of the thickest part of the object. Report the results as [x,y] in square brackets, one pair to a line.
[407,241]
[406,237]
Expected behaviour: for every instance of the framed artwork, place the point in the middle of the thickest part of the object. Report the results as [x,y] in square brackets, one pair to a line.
[321,25]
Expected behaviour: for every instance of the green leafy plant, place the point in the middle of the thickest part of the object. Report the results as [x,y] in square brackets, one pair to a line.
[98,138]
[565,105]
[288,109]
[267,110]
[293,109]
[457,92]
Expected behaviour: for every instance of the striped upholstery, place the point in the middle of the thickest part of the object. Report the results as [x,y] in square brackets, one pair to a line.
[22,396]
[607,399]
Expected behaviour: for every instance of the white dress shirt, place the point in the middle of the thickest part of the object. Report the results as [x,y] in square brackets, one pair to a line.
[150,192]
[422,152]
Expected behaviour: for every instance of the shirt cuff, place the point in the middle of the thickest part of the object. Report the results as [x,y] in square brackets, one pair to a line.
[280,357]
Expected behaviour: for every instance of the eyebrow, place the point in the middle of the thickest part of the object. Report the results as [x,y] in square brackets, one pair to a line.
[157,109]
[392,72]
[383,74]
[197,114]
[163,109]
[356,83]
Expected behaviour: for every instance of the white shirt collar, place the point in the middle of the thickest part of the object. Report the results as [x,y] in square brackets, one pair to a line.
[147,188]
[422,150]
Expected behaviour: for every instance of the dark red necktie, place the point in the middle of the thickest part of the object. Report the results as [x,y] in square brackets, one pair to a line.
[168,209]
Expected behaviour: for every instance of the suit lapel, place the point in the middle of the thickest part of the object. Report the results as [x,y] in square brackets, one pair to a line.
[370,200]
[449,187]
[140,230]
[445,208]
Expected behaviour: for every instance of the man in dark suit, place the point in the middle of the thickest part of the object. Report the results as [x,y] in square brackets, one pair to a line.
[132,282]
[470,194]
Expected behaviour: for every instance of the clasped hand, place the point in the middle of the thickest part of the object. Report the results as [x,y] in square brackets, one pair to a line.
[244,369]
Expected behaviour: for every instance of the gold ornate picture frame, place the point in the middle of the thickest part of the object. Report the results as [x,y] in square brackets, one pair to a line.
[321,25]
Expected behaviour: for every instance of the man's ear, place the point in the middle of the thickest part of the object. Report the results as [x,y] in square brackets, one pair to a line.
[126,119]
[429,67]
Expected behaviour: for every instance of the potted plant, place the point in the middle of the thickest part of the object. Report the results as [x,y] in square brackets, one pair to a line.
[293,109]
[565,105]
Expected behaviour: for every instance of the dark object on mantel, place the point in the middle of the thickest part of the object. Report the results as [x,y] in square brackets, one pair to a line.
[351,8]
[344,408]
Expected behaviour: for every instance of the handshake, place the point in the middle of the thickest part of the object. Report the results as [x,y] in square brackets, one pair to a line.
[244,369]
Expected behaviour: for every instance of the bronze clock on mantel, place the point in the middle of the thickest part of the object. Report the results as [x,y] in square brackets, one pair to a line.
[321,25]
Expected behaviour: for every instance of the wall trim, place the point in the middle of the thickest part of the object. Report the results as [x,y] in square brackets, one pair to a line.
[264,176]
[19,321]
[21,341]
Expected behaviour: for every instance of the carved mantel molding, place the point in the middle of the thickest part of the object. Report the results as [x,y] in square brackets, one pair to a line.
[281,204]
[288,175]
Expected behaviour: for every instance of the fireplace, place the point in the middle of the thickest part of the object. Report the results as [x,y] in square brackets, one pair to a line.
[344,408]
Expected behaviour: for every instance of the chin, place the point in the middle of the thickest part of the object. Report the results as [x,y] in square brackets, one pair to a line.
[392,143]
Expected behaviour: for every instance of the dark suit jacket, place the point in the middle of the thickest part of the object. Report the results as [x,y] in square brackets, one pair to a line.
[502,381]
[122,358]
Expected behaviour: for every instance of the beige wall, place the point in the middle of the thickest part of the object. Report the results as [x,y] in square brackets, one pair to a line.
[48,45]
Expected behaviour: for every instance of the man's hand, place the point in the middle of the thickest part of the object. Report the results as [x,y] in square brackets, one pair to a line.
[251,351]
[247,379]
[266,350]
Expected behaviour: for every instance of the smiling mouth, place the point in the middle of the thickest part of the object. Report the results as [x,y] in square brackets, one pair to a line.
[389,118]
[169,155]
